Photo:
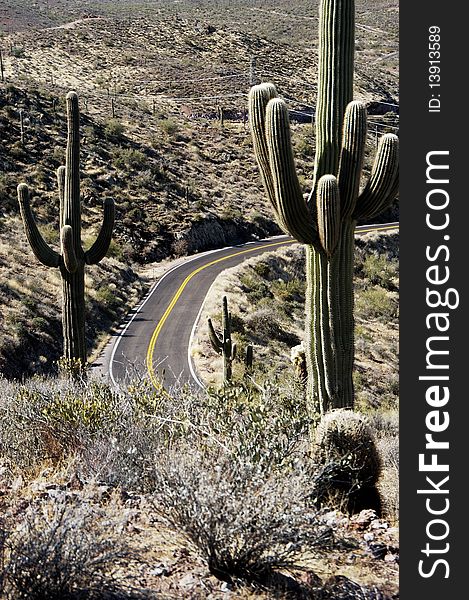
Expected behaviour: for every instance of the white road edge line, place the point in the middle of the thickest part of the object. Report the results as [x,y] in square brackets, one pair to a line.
[189,347]
[139,307]
[197,319]
[142,304]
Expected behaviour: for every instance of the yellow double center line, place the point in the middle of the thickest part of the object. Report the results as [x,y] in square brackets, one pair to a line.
[151,348]
[175,298]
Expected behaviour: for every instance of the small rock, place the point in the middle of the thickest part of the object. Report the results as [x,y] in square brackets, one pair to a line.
[160,570]
[226,587]
[378,551]
[363,519]
[377,524]
[188,581]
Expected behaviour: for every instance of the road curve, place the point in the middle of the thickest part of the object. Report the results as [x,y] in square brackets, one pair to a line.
[155,336]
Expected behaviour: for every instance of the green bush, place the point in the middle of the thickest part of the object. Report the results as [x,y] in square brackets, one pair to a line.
[381,271]
[106,295]
[93,410]
[129,159]
[114,129]
[168,126]
[377,303]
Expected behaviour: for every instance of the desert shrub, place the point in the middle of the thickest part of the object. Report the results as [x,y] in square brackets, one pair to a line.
[377,303]
[346,447]
[265,425]
[288,291]
[115,435]
[114,129]
[72,368]
[91,410]
[168,126]
[379,270]
[244,521]
[115,250]
[180,247]
[256,287]
[64,550]
[305,144]
[108,297]
[50,418]
[264,325]
[17,52]
[340,587]
[262,269]
[129,158]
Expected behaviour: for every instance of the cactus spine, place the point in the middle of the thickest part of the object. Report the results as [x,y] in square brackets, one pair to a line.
[223,344]
[326,221]
[72,258]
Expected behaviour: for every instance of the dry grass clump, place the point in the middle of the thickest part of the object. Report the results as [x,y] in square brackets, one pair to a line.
[245,521]
[61,550]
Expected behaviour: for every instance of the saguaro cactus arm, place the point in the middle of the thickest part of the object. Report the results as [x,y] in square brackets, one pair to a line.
[101,245]
[217,343]
[68,252]
[381,188]
[42,251]
[270,128]
[259,97]
[351,156]
[292,209]
[61,187]
[328,207]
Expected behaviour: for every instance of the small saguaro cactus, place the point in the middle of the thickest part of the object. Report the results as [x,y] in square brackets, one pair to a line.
[223,344]
[248,358]
[22,136]
[2,73]
[72,258]
[325,221]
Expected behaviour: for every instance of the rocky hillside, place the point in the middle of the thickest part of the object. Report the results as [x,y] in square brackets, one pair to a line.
[153,79]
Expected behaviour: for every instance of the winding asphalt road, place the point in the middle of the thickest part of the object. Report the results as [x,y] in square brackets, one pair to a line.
[155,336]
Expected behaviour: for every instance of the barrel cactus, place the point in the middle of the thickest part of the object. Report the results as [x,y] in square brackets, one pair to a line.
[71,259]
[223,344]
[325,219]
[345,447]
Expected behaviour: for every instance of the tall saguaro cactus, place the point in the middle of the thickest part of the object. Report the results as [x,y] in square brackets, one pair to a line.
[326,220]
[72,258]
[223,344]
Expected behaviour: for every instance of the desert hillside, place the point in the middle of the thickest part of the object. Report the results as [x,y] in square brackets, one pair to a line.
[153,79]
[250,487]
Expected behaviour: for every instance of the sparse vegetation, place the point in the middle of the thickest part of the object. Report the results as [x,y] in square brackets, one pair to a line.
[227,472]
[64,550]
[135,492]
